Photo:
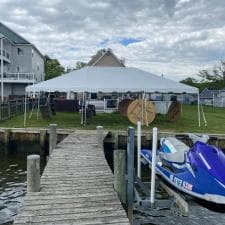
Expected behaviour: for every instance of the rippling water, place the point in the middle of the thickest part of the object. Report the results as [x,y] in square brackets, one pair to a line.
[13,182]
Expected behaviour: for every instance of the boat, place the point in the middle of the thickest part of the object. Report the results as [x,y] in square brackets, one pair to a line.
[198,170]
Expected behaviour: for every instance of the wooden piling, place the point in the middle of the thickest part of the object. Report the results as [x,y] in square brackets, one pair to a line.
[52,137]
[6,136]
[120,173]
[6,139]
[130,173]
[33,173]
[100,136]
[43,135]
[116,140]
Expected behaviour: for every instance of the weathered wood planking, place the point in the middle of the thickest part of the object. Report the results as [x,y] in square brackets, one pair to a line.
[76,187]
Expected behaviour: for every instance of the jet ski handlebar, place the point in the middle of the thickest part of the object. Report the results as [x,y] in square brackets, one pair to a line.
[204,138]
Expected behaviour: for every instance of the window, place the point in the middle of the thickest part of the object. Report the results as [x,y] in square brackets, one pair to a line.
[37,67]
[17,69]
[32,52]
[93,95]
[20,51]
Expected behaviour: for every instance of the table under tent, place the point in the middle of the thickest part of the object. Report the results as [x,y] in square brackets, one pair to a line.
[120,80]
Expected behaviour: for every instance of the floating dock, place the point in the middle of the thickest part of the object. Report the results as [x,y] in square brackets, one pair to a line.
[76,187]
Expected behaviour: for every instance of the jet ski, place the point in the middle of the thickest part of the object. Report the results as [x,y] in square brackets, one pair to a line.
[198,171]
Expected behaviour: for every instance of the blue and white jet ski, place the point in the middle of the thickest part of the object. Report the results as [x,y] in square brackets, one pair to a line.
[198,171]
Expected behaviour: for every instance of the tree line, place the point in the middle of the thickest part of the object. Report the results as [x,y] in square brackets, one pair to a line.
[212,79]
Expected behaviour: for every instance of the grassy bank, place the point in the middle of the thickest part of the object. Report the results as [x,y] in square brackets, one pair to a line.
[187,123]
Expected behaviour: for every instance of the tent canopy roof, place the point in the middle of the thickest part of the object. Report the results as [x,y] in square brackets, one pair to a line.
[110,79]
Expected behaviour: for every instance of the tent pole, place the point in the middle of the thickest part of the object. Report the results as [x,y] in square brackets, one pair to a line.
[25,110]
[85,111]
[142,109]
[199,119]
[82,110]
[38,106]
[146,115]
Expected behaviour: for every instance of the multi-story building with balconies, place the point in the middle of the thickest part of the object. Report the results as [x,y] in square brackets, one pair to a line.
[23,64]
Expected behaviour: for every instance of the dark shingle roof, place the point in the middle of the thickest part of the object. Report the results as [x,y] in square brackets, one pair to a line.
[11,35]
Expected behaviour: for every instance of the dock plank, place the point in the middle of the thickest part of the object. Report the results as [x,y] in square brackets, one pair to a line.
[76,187]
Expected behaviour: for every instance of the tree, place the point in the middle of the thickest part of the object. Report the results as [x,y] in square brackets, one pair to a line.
[80,65]
[216,74]
[203,84]
[53,68]
[189,81]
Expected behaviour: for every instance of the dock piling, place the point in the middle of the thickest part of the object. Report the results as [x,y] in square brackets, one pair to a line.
[52,137]
[33,173]
[6,139]
[130,173]
[100,136]
[120,173]
[43,134]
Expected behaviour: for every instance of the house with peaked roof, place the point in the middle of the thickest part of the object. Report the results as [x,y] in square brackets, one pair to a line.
[23,63]
[106,57]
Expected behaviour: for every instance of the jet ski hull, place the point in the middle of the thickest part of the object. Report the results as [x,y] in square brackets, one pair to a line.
[195,181]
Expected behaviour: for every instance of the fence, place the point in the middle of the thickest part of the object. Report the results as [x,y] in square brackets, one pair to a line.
[13,108]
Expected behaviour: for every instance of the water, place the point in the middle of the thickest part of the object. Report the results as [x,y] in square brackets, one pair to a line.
[13,179]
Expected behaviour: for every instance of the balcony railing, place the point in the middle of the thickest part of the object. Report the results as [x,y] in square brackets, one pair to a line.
[19,77]
[6,54]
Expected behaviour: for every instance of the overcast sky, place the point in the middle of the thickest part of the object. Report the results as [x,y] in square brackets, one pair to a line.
[176,38]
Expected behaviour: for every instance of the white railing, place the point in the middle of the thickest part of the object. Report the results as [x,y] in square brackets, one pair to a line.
[19,77]
[109,105]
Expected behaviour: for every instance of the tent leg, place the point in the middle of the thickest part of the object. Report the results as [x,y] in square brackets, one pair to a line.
[25,110]
[38,106]
[142,109]
[82,111]
[199,119]
[85,110]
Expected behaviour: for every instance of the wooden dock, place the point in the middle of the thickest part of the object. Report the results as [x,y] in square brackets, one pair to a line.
[76,187]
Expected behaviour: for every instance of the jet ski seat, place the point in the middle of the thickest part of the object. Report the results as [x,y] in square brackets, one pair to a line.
[173,150]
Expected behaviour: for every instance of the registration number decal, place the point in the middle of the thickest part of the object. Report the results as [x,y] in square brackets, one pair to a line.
[181,183]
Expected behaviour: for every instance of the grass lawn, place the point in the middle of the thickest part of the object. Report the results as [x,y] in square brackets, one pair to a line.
[187,123]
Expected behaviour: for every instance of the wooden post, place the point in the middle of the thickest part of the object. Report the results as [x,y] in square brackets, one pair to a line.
[33,173]
[100,136]
[52,137]
[115,141]
[9,113]
[119,156]
[130,173]
[0,111]
[42,138]
[6,139]
[16,107]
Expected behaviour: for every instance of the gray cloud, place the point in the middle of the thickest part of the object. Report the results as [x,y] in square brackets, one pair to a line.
[179,37]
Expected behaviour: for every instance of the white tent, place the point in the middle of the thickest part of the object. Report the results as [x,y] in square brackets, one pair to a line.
[111,79]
